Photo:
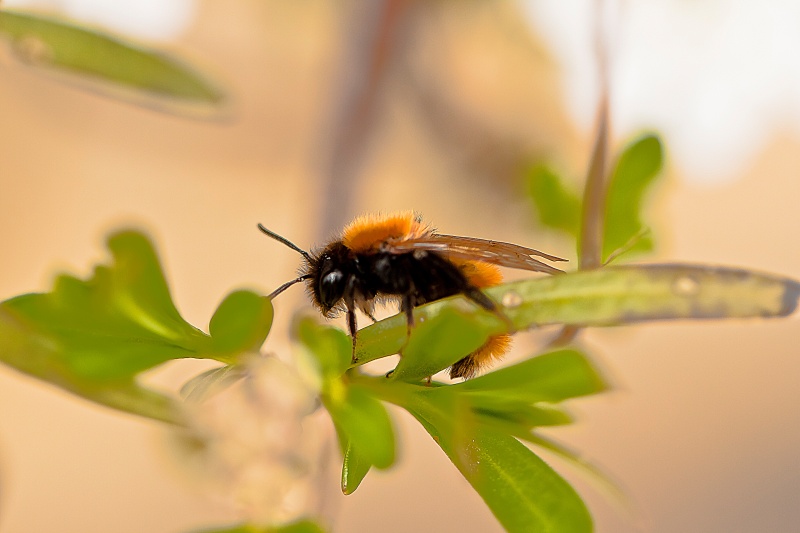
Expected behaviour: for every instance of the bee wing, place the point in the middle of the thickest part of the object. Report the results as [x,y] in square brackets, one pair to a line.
[471,248]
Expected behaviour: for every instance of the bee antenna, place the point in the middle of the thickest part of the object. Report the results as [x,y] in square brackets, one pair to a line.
[288,243]
[286,285]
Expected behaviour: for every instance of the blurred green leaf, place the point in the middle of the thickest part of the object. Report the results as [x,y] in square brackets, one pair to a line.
[638,166]
[240,323]
[93,337]
[301,526]
[437,343]
[607,486]
[609,296]
[46,42]
[329,346]
[355,468]
[210,382]
[557,206]
[364,423]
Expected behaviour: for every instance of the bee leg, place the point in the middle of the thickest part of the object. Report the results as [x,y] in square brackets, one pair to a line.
[477,296]
[372,317]
[352,326]
[408,307]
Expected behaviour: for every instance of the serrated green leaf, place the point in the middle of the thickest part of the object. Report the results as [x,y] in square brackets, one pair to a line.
[355,468]
[363,423]
[556,206]
[638,166]
[437,343]
[329,346]
[609,296]
[240,323]
[47,42]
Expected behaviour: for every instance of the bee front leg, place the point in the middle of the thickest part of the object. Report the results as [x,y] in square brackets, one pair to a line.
[352,326]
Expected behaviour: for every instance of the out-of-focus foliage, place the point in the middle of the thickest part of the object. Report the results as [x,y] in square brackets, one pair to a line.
[559,207]
[636,170]
[303,526]
[93,337]
[53,44]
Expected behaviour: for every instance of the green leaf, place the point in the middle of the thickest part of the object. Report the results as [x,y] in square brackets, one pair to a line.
[240,323]
[329,346]
[47,42]
[437,343]
[354,468]
[476,430]
[363,423]
[509,399]
[523,492]
[609,296]
[557,206]
[550,377]
[519,419]
[636,170]
[34,349]
[93,337]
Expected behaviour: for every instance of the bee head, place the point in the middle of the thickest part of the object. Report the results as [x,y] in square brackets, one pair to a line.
[329,275]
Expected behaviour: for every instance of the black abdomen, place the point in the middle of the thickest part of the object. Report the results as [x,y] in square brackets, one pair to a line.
[426,275]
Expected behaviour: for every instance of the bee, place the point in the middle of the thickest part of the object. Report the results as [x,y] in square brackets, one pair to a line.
[397,256]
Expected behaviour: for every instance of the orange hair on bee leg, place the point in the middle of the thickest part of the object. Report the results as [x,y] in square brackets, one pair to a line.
[496,347]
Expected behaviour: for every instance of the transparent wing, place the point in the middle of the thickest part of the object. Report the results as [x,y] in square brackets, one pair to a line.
[470,248]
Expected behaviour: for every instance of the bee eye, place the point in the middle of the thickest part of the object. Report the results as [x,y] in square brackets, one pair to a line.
[331,288]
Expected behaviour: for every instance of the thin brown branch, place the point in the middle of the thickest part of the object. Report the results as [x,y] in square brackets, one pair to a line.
[372,36]
[590,239]
[594,195]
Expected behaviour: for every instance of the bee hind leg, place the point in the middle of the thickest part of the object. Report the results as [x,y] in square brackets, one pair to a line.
[407,306]
[478,297]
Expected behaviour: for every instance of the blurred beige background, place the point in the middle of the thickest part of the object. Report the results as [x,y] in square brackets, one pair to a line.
[702,429]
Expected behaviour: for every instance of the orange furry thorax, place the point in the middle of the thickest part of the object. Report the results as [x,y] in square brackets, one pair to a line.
[367,233]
